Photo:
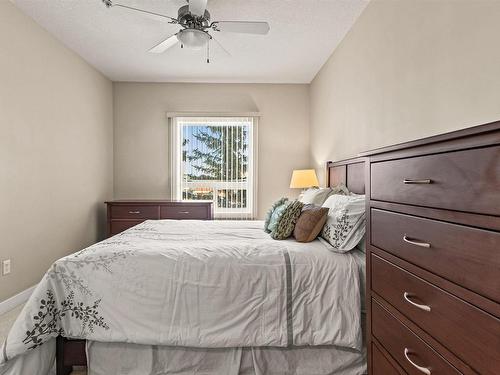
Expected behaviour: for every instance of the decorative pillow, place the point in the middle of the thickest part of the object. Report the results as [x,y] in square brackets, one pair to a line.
[318,196]
[269,214]
[287,219]
[310,223]
[345,225]
[276,216]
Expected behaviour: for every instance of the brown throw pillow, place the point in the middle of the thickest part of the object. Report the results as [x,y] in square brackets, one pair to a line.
[310,223]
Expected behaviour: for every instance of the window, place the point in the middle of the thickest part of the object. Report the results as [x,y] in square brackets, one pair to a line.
[213,159]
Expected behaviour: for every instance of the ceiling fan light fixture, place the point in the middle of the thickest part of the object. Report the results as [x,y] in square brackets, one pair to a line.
[193,38]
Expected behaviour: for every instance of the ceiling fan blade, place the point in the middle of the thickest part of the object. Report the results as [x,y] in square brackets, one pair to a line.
[244,27]
[110,4]
[197,7]
[222,47]
[166,44]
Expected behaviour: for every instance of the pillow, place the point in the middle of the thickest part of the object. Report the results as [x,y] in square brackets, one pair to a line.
[269,213]
[340,189]
[318,196]
[276,216]
[310,223]
[345,225]
[286,220]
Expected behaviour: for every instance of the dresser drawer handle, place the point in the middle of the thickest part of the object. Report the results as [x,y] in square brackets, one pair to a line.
[406,296]
[416,243]
[134,212]
[410,181]
[425,370]
[183,212]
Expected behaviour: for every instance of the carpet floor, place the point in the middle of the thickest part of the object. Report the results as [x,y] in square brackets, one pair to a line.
[7,320]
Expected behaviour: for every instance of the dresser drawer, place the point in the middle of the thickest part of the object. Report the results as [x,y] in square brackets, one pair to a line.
[186,211]
[380,364]
[118,226]
[406,347]
[461,181]
[443,315]
[134,212]
[464,255]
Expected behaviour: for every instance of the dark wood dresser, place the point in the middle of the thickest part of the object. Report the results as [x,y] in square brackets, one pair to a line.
[433,255]
[124,214]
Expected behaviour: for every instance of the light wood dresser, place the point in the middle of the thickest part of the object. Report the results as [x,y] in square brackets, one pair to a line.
[433,255]
[124,214]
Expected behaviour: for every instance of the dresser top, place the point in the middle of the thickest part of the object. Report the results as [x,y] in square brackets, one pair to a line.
[475,131]
[154,201]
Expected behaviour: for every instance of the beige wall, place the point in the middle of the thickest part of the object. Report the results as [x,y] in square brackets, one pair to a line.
[406,70]
[55,150]
[141,150]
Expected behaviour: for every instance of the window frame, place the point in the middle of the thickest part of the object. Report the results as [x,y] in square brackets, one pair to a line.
[175,160]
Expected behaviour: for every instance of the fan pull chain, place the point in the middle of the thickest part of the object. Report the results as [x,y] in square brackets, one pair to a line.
[208,52]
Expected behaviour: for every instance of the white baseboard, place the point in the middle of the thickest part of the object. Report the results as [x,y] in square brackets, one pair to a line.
[14,301]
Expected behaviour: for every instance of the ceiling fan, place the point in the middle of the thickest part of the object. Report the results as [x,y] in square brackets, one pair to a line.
[195,23]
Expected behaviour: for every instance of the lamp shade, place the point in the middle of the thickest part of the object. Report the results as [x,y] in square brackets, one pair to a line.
[303,178]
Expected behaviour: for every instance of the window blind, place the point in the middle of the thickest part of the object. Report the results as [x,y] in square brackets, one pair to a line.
[213,159]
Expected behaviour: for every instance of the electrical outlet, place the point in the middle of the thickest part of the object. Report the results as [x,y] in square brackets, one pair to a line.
[6,267]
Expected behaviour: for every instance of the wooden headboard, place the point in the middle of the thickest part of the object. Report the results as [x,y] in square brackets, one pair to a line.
[350,172]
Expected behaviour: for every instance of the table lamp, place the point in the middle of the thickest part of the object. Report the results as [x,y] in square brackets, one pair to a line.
[303,179]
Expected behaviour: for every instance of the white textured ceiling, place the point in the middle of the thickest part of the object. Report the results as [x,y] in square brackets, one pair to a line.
[303,35]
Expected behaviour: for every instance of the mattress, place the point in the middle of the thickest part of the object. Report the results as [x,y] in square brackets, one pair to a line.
[196,284]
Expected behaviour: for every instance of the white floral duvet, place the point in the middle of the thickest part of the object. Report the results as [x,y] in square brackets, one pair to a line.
[208,284]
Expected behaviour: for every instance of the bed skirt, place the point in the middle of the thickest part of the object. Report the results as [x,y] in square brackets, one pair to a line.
[133,359]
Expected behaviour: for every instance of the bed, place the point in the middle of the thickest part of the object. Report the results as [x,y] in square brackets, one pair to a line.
[176,293]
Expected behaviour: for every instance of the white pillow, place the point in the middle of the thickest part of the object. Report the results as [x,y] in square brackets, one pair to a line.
[345,225]
[318,196]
